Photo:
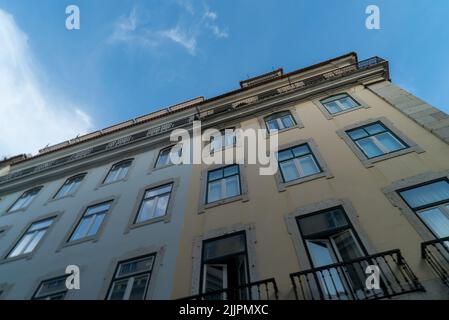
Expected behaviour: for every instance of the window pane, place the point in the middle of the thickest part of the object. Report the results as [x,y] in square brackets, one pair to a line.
[285,155]
[389,142]
[216,174]
[232,186]
[375,128]
[229,171]
[139,287]
[437,221]
[82,228]
[357,134]
[146,210]
[159,190]
[40,224]
[20,247]
[272,125]
[98,208]
[289,171]
[348,103]
[118,290]
[223,247]
[161,206]
[301,150]
[287,121]
[369,148]
[332,107]
[322,222]
[136,265]
[214,191]
[427,194]
[308,165]
[163,158]
[96,224]
[33,243]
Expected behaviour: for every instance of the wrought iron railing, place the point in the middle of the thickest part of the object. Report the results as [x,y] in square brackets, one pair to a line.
[436,254]
[304,84]
[351,280]
[259,290]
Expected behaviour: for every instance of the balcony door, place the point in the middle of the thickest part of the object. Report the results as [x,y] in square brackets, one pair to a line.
[225,268]
[331,242]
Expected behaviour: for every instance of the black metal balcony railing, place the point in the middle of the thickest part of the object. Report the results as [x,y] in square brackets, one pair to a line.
[436,254]
[347,280]
[259,290]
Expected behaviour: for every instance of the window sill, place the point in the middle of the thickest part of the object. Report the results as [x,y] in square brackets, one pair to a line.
[26,256]
[282,186]
[76,242]
[165,219]
[206,206]
[110,183]
[369,162]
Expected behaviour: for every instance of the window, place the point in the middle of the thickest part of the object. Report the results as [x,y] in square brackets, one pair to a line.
[223,183]
[297,162]
[224,265]
[226,138]
[339,103]
[154,203]
[431,203]
[280,121]
[131,279]
[70,186]
[164,156]
[375,140]
[31,238]
[51,289]
[25,199]
[91,221]
[118,171]
[329,238]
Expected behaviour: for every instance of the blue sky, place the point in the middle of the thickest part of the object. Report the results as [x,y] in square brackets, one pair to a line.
[132,57]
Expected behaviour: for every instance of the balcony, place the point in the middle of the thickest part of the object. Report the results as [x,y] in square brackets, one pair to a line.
[436,254]
[347,280]
[259,290]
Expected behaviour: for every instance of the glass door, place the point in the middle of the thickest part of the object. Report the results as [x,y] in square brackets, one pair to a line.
[215,278]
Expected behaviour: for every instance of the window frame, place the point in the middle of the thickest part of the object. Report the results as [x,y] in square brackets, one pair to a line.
[323,206]
[154,165]
[117,278]
[84,216]
[103,180]
[33,297]
[346,95]
[93,238]
[223,140]
[73,193]
[277,116]
[388,125]
[427,206]
[273,111]
[55,216]
[203,205]
[319,161]
[211,261]
[223,183]
[353,95]
[9,210]
[175,182]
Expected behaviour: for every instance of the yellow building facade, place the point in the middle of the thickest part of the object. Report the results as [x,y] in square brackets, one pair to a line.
[350,205]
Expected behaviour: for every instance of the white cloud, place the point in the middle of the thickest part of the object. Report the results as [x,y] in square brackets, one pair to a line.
[134,30]
[181,37]
[31,116]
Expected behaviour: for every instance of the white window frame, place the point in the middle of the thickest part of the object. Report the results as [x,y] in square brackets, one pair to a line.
[26,203]
[34,234]
[131,276]
[118,172]
[92,217]
[223,189]
[156,197]
[339,104]
[278,118]
[72,188]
